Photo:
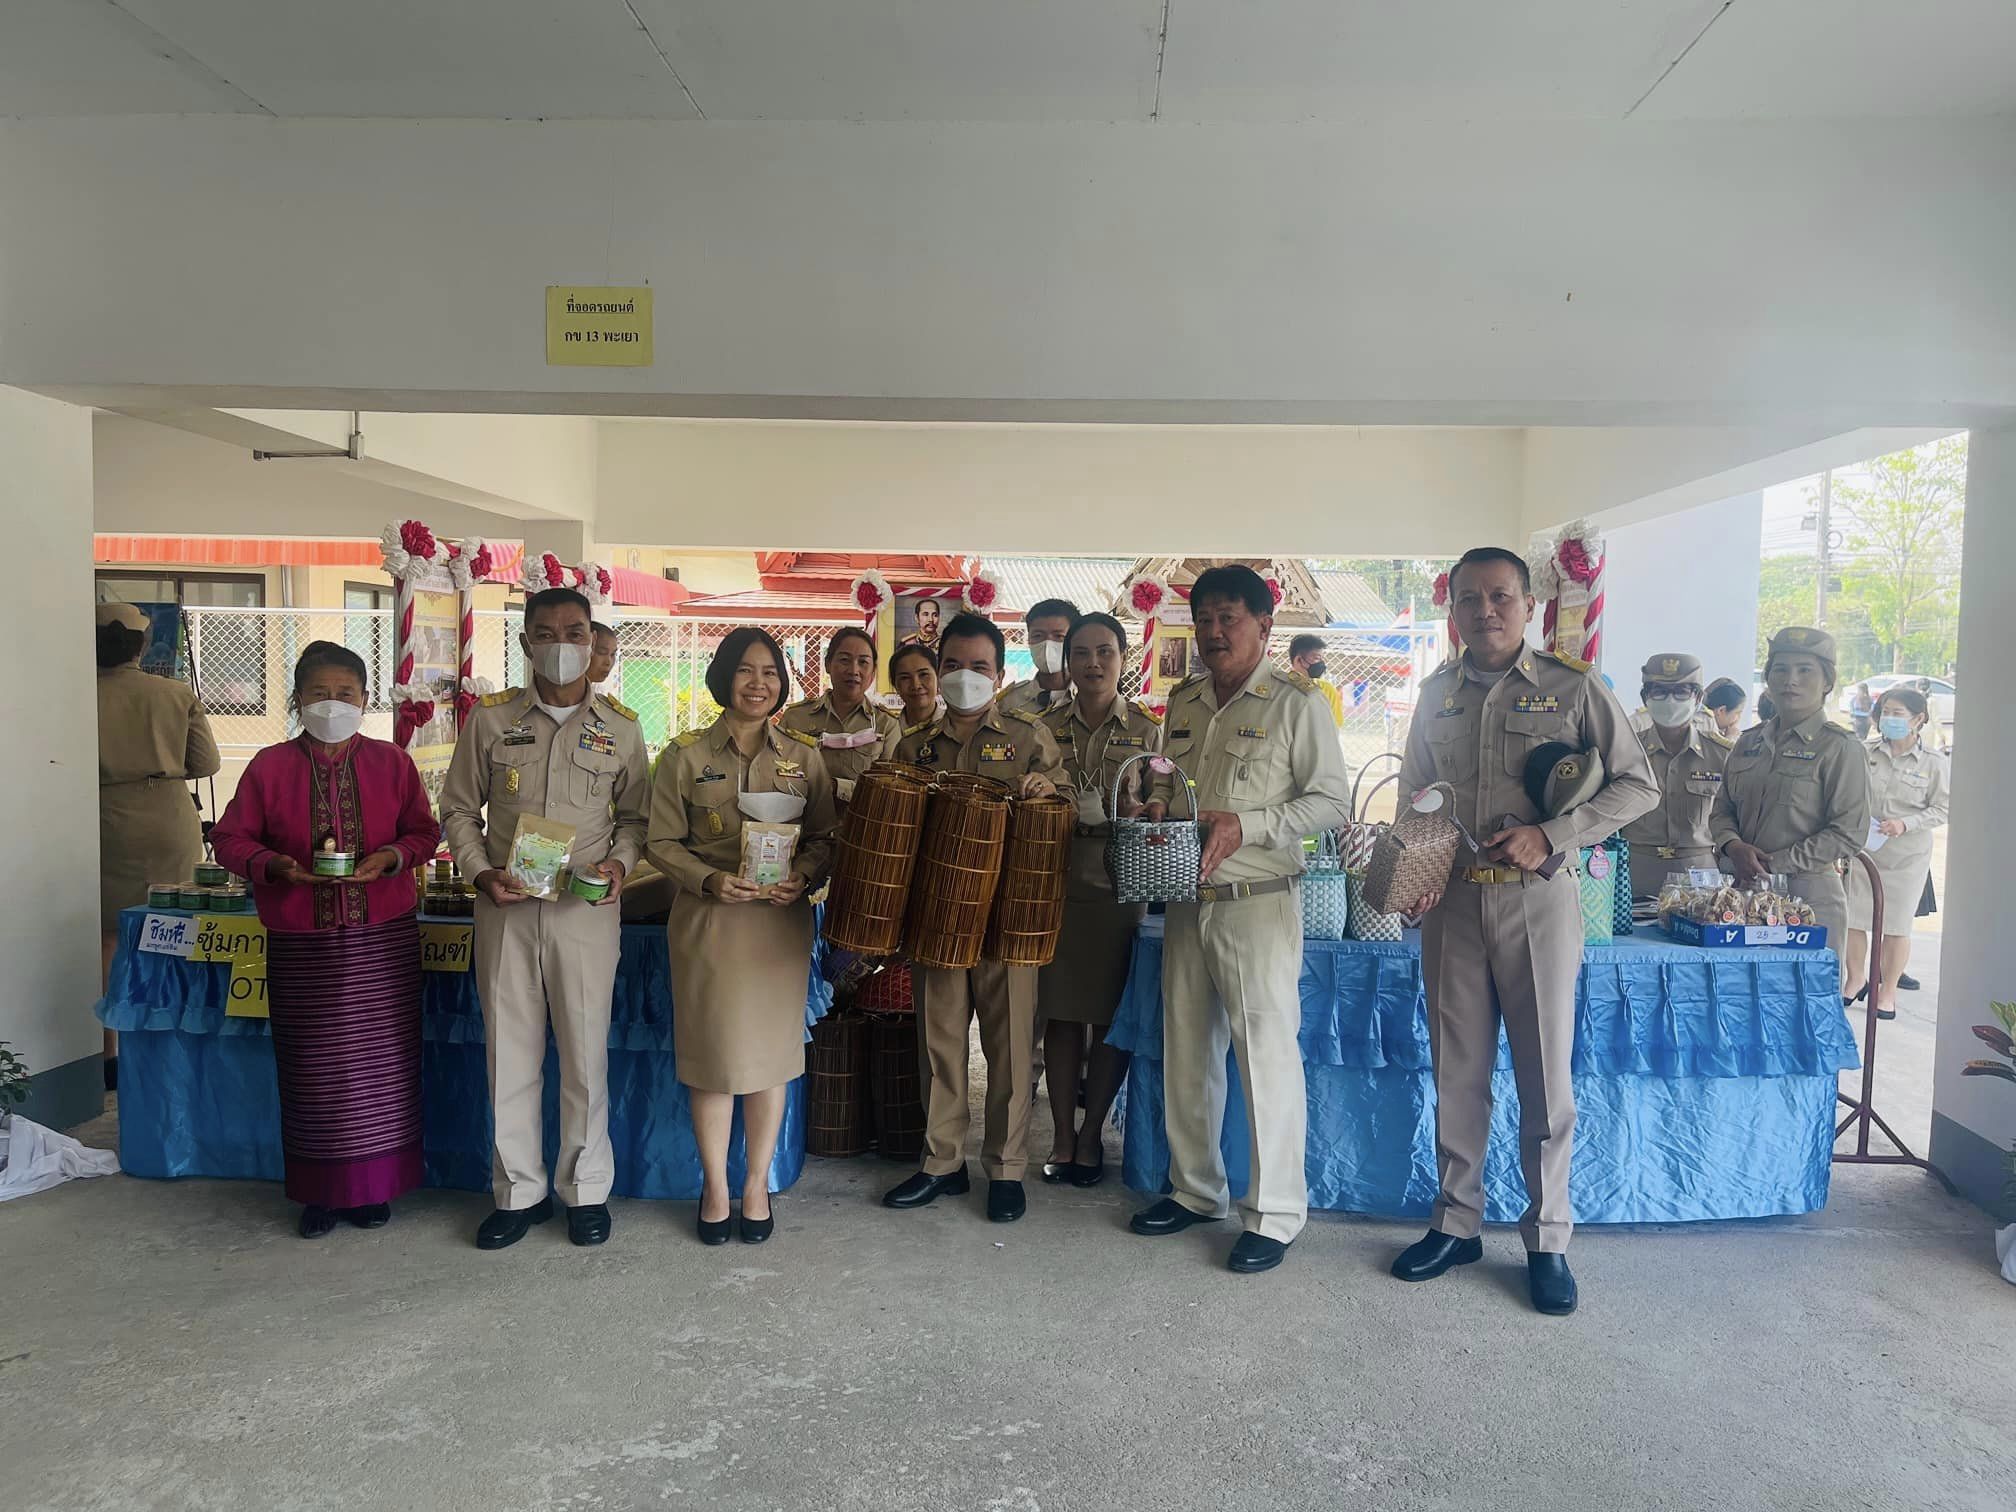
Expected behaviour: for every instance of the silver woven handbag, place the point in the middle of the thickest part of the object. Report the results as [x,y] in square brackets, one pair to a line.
[1154,861]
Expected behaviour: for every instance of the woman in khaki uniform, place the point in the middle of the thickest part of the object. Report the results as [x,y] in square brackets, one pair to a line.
[739,958]
[1098,731]
[850,730]
[1907,801]
[152,738]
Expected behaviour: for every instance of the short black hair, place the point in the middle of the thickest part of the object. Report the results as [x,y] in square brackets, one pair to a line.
[1102,621]
[914,648]
[554,598]
[833,641]
[1478,556]
[728,658]
[1913,701]
[1303,643]
[1051,608]
[1724,693]
[1242,585]
[319,654]
[964,626]
[119,644]
[596,627]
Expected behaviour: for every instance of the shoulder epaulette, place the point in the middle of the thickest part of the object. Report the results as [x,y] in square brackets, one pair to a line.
[1296,679]
[1022,714]
[620,707]
[1573,663]
[1147,713]
[800,736]
[803,703]
[1718,738]
[491,700]
[919,728]
[1189,682]
[685,738]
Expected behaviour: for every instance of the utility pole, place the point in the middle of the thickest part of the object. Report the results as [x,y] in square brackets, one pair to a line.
[1826,547]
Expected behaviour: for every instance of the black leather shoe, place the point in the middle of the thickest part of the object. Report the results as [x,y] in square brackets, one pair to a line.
[757,1230]
[923,1189]
[1089,1175]
[1907,983]
[716,1232]
[316,1221]
[589,1224]
[507,1226]
[1057,1172]
[1255,1253]
[1428,1258]
[1551,1284]
[1166,1217]
[1005,1201]
[375,1215]
[1886,1014]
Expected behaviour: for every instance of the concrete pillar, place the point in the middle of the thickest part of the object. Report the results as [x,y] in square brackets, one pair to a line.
[1974,1117]
[49,762]
[1684,582]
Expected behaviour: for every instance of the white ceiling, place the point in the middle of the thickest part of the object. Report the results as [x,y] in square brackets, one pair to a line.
[1011,60]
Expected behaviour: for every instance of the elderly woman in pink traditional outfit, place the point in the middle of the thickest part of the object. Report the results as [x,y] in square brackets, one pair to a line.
[342,954]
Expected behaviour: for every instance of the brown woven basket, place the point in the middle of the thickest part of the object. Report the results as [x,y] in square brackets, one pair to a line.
[836,1122]
[873,863]
[892,768]
[1411,859]
[958,871]
[896,1088]
[1029,904]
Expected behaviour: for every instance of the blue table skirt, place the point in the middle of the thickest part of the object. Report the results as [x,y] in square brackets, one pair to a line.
[1704,1083]
[198,1095]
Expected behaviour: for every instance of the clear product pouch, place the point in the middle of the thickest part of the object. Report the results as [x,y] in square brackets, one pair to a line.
[540,851]
[767,853]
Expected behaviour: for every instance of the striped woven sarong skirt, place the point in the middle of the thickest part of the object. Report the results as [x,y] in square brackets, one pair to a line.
[345,1007]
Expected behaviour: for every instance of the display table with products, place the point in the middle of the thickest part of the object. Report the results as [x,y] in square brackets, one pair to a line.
[1704,1082]
[198,1094]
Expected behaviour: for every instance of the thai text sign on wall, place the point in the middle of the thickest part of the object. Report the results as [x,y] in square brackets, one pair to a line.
[589,327]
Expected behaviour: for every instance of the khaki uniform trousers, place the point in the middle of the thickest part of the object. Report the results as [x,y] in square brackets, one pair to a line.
[527,956]
[1003,998]
[1230,976]
[1511,949]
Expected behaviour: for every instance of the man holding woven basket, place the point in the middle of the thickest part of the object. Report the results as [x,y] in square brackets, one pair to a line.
[1504,937]
[1259,742]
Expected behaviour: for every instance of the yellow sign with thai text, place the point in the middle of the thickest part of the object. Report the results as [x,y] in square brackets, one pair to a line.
[590,327]
[229,937]
[447,947]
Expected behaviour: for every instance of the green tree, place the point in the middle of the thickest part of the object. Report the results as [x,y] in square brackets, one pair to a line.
[1901,559]
[1787,588]
[1399,581]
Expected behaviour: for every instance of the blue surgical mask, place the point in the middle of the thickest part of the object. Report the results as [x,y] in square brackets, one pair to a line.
[1895,727]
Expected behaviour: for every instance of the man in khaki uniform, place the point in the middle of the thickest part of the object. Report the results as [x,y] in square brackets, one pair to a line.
[1258,741]
[975,736]
[558,750]
[1047,624]
[1795,792]
[849,727]
[1687,765]
[1502,940]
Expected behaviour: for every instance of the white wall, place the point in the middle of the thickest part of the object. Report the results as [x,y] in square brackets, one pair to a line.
[1977,965]
[49,761]
[1067,489]
[1492,272]
[1685,582]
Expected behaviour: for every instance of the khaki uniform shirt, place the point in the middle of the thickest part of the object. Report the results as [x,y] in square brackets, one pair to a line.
[1004,746]
[512,759]
[1688,780]
[151,727]
[696,824]
[844,762]
[1476,736]
[1799,793]
[1093,755]
[1028,698]
[1269,755]
[1911,789]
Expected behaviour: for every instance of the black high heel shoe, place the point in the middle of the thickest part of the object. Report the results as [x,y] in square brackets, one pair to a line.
[714,1233]
[757,1230]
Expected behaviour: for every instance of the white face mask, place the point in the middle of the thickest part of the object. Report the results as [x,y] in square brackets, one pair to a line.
[1048,656]
[1670,713]
[966,691]
[560,662]
[331,721]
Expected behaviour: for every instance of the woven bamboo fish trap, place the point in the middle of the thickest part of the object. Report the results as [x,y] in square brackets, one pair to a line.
[910,769]
[1029,904]
[873,862]
[836,1067]
[896,1087]
[971,782]
[958,871]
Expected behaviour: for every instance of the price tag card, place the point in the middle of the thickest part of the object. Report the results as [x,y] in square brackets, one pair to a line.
[248,987]
[228,937]
[168,934]
[447,947]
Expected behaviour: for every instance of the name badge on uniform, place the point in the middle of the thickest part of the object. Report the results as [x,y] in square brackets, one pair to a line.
[1182,734]
[1704,776]
[789,769]
[1064,736]
[1448,711]
[1800,755]
[997,753]
[601,742]
[1127,742]
[710,775]
[517,735]
[1536,703]
[1252,732]
[1755,747]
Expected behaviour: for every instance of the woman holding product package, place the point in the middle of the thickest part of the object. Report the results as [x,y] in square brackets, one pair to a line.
[342,953]
[739,950]
[1907,797]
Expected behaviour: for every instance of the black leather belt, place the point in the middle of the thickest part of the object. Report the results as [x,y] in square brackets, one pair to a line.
[1094,832]
[1231,892]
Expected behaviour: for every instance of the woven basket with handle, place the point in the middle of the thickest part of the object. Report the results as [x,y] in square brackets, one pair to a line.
[1154,861]
[1413,857]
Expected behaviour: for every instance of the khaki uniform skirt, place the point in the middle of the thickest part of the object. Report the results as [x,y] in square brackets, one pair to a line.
[739,974]
[1083,983]
[148,831]
[1904,863]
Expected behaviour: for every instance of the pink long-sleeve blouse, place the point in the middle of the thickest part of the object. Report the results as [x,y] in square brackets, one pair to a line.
[293,795]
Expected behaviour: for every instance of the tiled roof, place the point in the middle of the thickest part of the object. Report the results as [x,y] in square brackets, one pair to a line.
[1351,601]
[1091,582]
